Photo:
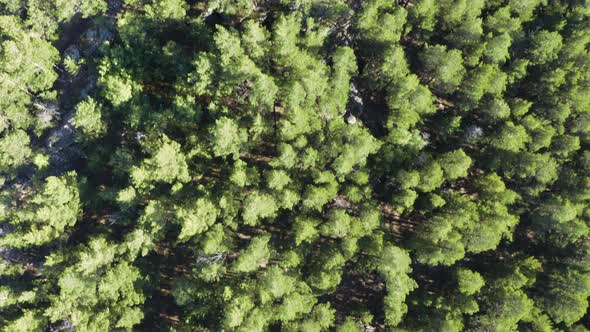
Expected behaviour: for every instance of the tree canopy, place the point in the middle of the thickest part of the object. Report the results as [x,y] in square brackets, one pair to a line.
[216,165]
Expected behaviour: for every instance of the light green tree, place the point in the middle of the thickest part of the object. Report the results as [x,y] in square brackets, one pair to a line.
[257,206]
[455,164]
[196,218]
[443,67]
[394,265]
[88,119]
[54,206]
[254,256]
[14,150]
[226,138]
[167,164]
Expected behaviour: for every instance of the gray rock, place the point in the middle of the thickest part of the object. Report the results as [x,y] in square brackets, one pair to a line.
[351,119]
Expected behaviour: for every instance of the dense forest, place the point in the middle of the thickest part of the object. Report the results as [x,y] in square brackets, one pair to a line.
[294,165]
